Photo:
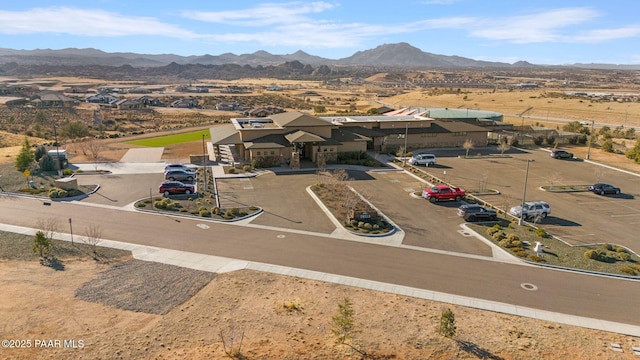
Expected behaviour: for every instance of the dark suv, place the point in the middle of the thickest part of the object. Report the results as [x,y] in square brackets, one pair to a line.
[561,154]
[473,212]
[175,187]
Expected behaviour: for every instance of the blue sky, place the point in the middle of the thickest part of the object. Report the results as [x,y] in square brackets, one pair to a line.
[539,31]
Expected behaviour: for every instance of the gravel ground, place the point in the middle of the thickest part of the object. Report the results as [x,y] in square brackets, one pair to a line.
[143,286]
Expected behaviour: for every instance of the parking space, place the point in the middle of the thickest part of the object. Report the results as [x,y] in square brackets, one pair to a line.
[283,198]
[576,217]
[121,189]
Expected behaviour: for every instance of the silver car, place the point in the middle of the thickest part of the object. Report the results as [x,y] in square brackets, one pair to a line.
[423,159]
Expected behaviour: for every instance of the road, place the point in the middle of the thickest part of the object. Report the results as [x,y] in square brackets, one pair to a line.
[557,291]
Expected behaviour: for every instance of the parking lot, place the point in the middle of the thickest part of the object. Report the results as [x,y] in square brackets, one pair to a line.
[577,217]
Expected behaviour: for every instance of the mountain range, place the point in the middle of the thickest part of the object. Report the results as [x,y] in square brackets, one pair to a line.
[399,55]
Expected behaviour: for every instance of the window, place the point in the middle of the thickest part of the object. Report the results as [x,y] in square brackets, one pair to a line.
[273,152]
[428,135]
[460,133]
[258,153]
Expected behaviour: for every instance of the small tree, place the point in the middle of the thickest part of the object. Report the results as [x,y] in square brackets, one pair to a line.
[41,244]
[25,158]
[504,146]
[344,325]
[468,145]
[92,237]
[95,148]
[447,324]
[74,130]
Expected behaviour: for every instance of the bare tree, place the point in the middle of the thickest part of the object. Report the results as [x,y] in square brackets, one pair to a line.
[504,146]
[556,177]
[93,237]
[48,226]
[232,342]
[468,145]
[95,148]
[599,172]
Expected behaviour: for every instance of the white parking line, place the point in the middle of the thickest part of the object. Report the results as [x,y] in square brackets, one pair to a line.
[625,215]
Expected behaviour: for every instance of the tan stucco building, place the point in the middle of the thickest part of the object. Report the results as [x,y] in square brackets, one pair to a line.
[281,137]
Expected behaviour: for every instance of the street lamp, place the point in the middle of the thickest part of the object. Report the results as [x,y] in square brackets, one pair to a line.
[204,166]
[524,194]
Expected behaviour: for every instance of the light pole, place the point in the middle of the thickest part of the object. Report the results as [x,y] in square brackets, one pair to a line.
[590,140]
[204,163]
[406,133]
[524,194]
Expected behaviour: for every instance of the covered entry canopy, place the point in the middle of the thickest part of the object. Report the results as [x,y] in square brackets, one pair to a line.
[303,137]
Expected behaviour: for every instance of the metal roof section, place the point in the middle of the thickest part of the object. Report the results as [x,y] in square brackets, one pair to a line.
[296,118]
[225,134]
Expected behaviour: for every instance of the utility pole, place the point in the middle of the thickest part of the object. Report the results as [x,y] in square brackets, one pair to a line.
[524,194]
[590,140]
[406,133]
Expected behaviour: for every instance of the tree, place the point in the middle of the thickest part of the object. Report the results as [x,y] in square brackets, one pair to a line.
[504,146]
[40,152]
[92,237]
[634,153]
[447,324]
[468,145]
[74,130]
[95,148]
[25,158]
[344,325]
[41,244]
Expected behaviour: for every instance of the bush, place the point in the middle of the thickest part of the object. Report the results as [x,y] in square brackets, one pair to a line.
[247,168]
[538,140]
[215,210]
[550,140]
[141,205]
[56,193]
[232,170]
[537,258]
[607,146]
[498,236]
[513,141]
[541,233]
[67,172]
[204,213]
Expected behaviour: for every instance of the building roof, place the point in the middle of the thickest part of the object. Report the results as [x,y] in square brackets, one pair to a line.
[268,141]
[296,118]
[349,134]
[225,134]
[302,137]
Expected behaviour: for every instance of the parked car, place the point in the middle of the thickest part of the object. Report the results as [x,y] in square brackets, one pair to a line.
[561,154]
[423,159]
[532,210]
[175,187]
[474,212]
[180,175]
[179,167]
[443,192]
[603,189]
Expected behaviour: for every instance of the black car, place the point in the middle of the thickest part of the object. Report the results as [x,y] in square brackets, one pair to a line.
[180,175]
[603,189]
[473,212]
[561,154]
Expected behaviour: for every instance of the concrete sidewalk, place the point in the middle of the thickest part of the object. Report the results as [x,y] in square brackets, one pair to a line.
[218,264]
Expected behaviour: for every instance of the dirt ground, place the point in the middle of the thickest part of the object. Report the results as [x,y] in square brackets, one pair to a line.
[269,317]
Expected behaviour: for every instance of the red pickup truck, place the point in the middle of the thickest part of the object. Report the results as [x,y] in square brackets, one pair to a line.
[443,192]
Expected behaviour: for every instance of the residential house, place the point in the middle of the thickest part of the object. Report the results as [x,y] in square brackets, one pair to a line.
[52,99]
[185,103]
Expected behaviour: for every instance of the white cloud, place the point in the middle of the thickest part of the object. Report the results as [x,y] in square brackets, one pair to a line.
[80,22]
[263,14]
[544,26]
[601,35]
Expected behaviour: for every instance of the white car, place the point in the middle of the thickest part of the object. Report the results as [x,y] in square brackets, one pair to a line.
[423,159]
[179,167]
[532,210]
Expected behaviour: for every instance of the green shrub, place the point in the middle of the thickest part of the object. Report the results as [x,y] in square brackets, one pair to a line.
[183,210]
[204,213]
[247,168]
[607,247]
[628,270]
[512,237]
[232,170]
[537,258]
[141,205]
[541,233]
[67,172]
[623,256]
[215,210]
[499,236]
[56,193]
[368,226]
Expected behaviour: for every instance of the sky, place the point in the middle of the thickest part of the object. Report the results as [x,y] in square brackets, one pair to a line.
[538,31]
